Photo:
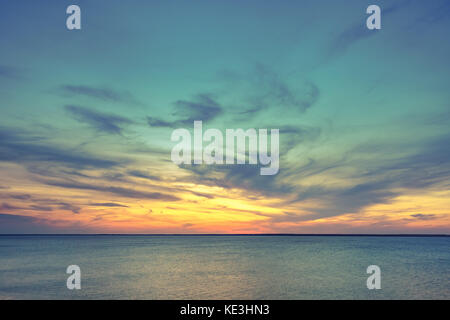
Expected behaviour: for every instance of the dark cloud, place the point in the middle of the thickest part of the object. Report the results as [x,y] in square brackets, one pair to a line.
[155,122]
[6,206]
[108,204]
[251,112]
[102,122]
[38,204]
[201,194]
[123,192]
[274,91]
[347,200]
[68,207]
[263,89]
[291,136]
[144,175]
[20,147]
[384,178]
[21,224]
[21,196]
[10,224]
[40,208]
[246,177]
[420,216]
[427,168]
[104,94]
[203,108]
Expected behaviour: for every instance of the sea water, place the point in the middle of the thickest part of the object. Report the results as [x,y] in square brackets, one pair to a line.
[224,267]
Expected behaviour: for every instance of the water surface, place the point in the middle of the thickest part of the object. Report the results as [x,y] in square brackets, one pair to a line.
[224,267]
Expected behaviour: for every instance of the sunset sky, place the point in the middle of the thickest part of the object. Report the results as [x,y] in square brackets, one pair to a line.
[87,116]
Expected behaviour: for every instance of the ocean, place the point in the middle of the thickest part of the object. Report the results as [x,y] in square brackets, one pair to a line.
[224,267]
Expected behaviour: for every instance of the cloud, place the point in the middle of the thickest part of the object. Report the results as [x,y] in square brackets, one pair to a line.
[420,216]
[102,122]
[21,196]
[144,175]
[359,31]
[377,180]
[38,204]
[291,136]
[338,201]
[260,89]
[387,178]
[108,204]
[246,177]
[120,191]
[424,168]
[10,224]
[348,37]
[20,147]
[263,88]
[273,91]
[21,224]
[104,94]
[155,122]
[68,207]
[203,108]
[6,206]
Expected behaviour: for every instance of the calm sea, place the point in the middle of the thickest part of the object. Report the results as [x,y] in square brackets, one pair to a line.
[224,267]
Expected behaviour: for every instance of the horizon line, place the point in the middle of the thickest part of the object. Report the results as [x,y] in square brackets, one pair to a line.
[236,234]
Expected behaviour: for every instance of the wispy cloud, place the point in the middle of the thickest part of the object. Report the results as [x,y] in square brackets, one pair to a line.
[203,107]
[358,31]
[264,88]
[275,91]
[374,182]
[385,178]
[108,204]
[295,135]
[102,122]
[104,94]
[424,216]
[245,177]
[120,191]
[20,147]
[30,203]
[142,174]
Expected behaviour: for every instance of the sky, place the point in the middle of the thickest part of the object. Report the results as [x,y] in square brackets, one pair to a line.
[87,116]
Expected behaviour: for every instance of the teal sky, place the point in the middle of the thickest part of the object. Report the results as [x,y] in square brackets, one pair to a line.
[363,115]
